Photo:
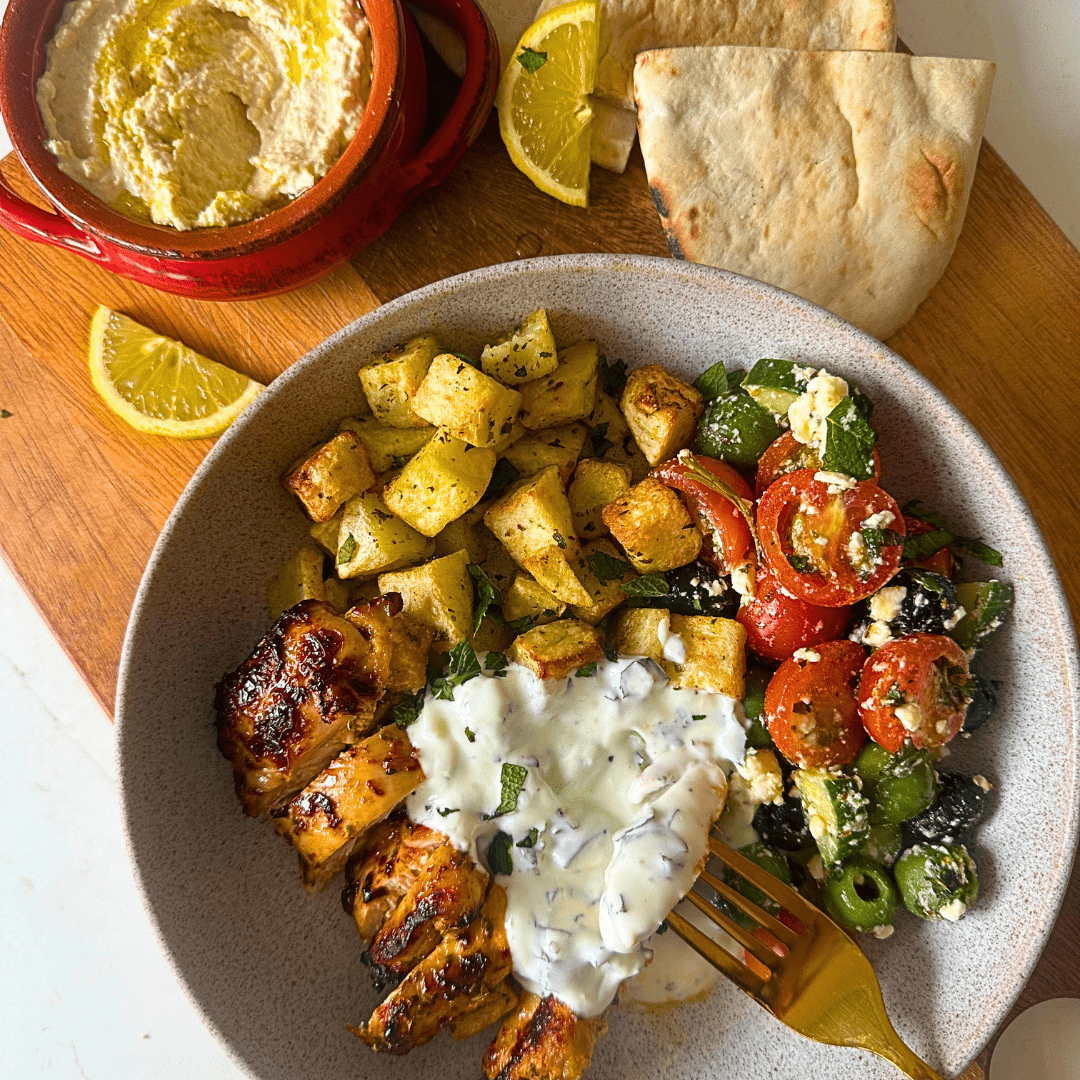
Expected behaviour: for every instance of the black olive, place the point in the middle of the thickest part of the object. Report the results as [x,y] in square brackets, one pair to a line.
[959,807]
[928,603]
[783,825]
[983,702]
[694,589]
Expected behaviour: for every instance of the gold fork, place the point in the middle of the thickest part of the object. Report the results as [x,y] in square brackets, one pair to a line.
[822,986]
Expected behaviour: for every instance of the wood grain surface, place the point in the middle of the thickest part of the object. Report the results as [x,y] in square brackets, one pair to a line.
[82,498]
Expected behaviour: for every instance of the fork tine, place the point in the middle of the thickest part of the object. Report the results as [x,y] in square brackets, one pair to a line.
[716,954]
[730,926]
[772,887]
[773,925]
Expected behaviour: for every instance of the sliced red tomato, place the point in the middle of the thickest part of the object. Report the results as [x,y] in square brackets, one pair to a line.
[913,687]
[777,624]
[722,517]
[828,543]
[941,562]
[787,455]
[811,709]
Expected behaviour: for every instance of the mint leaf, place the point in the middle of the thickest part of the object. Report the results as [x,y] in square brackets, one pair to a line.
[978,550]
[347,550]
[648,585]
[407,711]
[613,375]
[530,840]
[470,735]
[559,538]
[926,544]
[783,375]
[876,539]
[486,595]
[531,60]
[608,568]
[586,671]
[466,359]
[849,444]
[499,859]
[800,564]
[447,813]
[713,382]
[610,652]
[697,716]
[597,436]
[931,582]
[463,667]
[496,663]
[513,780]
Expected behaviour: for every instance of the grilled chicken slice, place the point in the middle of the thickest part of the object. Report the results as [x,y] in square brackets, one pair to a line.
[465,978]
[542,1040]
[403,642]
[380,873]
[446,895]
[355,791]
[307,691]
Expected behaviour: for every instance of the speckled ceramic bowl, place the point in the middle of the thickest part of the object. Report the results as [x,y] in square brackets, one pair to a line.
[276,973]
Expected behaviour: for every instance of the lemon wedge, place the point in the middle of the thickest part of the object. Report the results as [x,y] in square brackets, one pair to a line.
[544,112]
[160,386]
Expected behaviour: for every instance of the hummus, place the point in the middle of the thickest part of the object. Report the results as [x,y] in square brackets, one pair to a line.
[196,113]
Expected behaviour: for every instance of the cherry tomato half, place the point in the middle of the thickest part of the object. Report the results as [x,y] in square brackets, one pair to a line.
[827,544]
[941,562]
[777,624]
[810,706]
[722,517]
[914,686]
[787,455]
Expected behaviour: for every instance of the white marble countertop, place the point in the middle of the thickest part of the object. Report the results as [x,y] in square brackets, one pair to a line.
[84,990]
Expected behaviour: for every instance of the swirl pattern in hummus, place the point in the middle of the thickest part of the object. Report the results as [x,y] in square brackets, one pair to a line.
[197,113]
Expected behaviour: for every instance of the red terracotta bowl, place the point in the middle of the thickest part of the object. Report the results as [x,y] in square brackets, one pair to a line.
[381,171]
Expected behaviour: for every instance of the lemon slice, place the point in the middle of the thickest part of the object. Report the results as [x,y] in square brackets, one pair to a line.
[544,113]
[160,386]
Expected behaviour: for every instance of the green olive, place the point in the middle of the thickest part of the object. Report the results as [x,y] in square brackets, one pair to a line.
[899,786]
[937,881]
[861,895]
[736,429]
[882,844]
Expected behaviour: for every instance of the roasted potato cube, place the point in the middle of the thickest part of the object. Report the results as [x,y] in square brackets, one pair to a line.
[325,533]
[391,383]
[533,522]
[338,594]
[637,633]
[526,353]
[491,637]
[606,411]
[460,534]
[607,594]
[470,405]
[499,567]
[568,393]
[654,527]
[596,483]
[528,599]
[300,578]
[446,478]
[356,790]
[388,447]
[438,594]
[330,475]
[662,411]
[715,655]
[558,446]
[371,539]
[558,649]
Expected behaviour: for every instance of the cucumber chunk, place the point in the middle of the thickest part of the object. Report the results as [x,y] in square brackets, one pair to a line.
[736,429]
[837,812]
[986,603]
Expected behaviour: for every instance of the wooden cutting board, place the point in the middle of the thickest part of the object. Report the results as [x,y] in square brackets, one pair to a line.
[83,498]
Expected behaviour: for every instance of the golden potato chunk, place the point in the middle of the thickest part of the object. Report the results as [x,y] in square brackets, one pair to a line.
[499,567]
[438,594]
[662,411]
[596,483]
[715,655]
[470,405]
[568,393]
[637,633]
[338,594]
[444,479]
[528,599]
[526,353]
[388,447]
[559,446]
[606,588]
[461,534]
[325,533]
[654,527]
[391,383]
[533,522]
[300,578]
[370,539]
[558,649]
[330,475]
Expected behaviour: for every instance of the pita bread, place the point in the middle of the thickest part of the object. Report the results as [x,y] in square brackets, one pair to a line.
[629,26]
[841,176]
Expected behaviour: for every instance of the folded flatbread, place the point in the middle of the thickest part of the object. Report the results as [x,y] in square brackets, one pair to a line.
[840,176]
[629,26]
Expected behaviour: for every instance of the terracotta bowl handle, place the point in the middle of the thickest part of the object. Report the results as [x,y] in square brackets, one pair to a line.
[474,100]
[32,223]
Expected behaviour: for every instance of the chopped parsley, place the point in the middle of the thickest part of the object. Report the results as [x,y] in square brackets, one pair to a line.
[530,840]
[608,568]
[347,550]
[532,60]
[697,716]
[611,652]
[601,444]
[559,538]
[465,359]
[499,859]
[4,413]
[447,813]
[400,460]
[613,374]
[586,671]
[800,564]
[521,372]
[463,666]
[470,735]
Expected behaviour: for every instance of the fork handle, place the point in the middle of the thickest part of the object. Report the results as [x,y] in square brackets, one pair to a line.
[895,1050]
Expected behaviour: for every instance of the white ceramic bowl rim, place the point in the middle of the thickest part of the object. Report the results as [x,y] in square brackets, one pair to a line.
[369,324]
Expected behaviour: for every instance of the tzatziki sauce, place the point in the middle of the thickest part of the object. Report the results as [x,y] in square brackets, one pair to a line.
[623,775]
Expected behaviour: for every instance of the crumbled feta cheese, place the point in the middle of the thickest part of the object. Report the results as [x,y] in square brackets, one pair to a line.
[761,771]
[673,646]
[881,520]
[856,547]
[835,481]
[910,715]
[953,910]
[807,412]
[882,932]
[954,618]
[816,867]
[876,634]
[743,578]
[982,782]
[809,655]
[885,604]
